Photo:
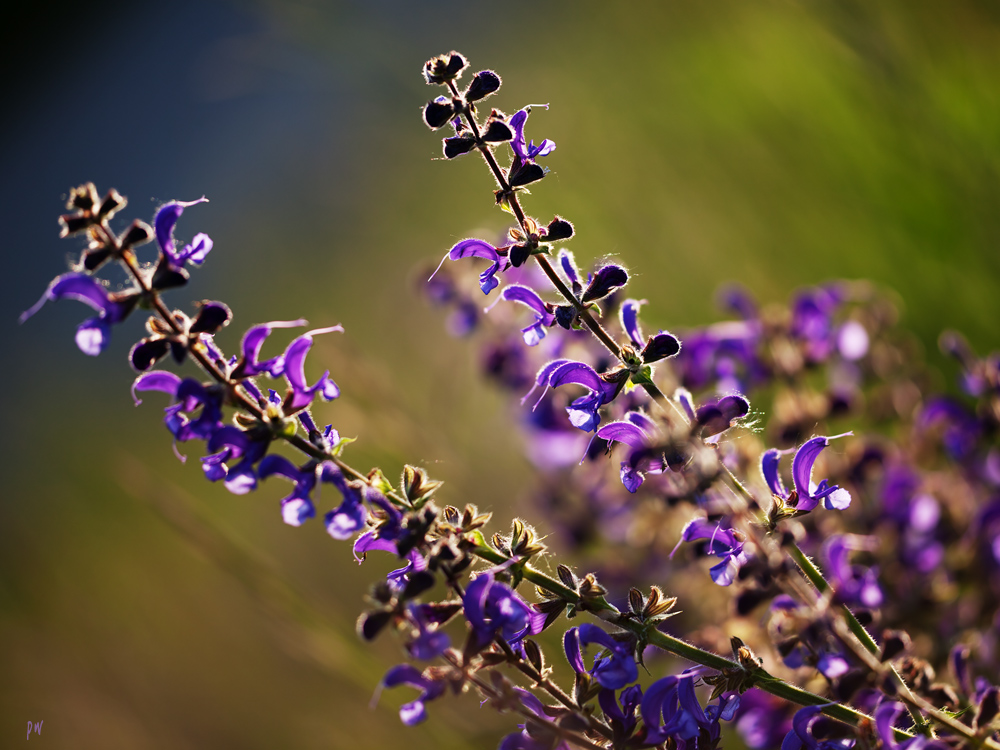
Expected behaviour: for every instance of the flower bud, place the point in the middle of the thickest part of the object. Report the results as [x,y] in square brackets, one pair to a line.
[458,145]
[112,203]
[660,346]
[484,83]
[82,198]
[139,233]
[606,280]
[497,131]
[558,229]
[444,68]
[525,174]
[438,112]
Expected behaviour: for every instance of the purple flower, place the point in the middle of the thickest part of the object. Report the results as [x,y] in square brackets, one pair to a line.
[583,411]
[385,536]
[298,506]
[93,334]
[527,152]
[620,712]
[853,583]
[429,642]
[526,739]
[473,248]
[567,262]
[157,380]
[655,348]
[723,355]
[293,368]
[607,279]
[715,417]
[413,712]
[885,717]
[229,444]
[670,708]
[799,644]
[493,608]
[812,321]
[188,395]
[636,431]
[164,223]
[544,317]
[959,430]
[724,543]
[628,316]
[801,735]
[613,670]
[762,720]
[253,340]
[350,516]
[806,495]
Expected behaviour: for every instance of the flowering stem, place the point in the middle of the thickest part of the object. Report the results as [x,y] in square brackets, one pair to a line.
[511,197]
[761,679]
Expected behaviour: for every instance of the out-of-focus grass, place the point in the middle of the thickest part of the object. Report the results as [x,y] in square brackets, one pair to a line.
[780,144]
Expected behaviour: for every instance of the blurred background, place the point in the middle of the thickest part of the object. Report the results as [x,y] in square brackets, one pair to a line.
[776,143]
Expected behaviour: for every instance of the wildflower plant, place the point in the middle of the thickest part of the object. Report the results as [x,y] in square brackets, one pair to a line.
[654,453]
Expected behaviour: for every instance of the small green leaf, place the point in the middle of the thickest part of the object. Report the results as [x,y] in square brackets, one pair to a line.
[643,376]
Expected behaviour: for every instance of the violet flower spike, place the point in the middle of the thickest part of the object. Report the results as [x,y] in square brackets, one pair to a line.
[544,318]
[164,223]
[806,494]
[670,709]
[93,334]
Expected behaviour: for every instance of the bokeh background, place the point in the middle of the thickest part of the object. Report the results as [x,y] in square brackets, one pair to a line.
[777,143]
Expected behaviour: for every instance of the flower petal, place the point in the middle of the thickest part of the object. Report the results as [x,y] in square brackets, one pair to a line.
[157,380]
[164,223]
[628,315]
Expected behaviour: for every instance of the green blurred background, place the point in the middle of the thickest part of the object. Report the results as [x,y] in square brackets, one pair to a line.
[778,143]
